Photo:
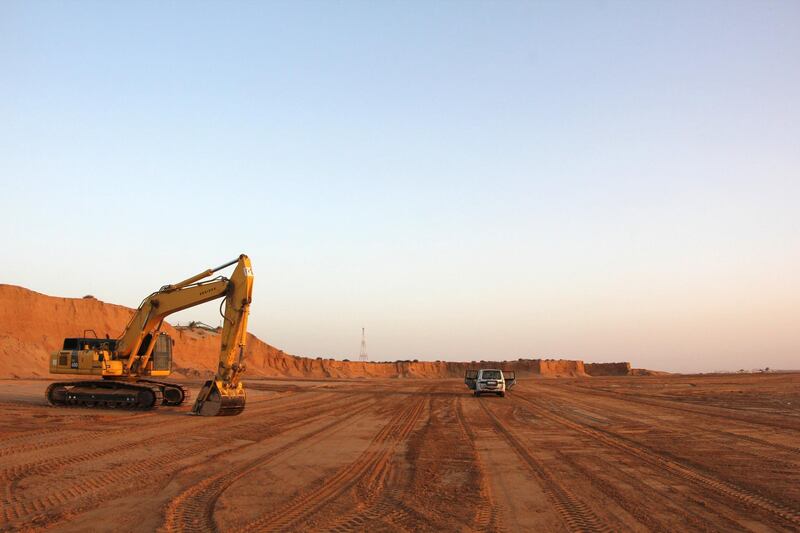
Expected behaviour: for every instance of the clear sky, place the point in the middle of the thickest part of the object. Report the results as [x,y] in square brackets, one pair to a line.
[595,180]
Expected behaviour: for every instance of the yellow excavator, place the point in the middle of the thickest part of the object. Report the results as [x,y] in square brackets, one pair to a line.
[142,352]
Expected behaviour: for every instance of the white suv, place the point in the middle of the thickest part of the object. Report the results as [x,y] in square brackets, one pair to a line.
[489,380]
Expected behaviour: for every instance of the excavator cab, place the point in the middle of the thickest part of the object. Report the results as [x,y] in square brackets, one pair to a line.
[162,355]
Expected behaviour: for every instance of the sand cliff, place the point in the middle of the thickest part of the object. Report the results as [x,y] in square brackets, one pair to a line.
[608,369]
[32,325]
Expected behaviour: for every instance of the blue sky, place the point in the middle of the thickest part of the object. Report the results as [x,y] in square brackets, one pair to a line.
[595,180]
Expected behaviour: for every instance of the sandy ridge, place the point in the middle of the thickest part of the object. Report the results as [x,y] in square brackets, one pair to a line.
[33,325]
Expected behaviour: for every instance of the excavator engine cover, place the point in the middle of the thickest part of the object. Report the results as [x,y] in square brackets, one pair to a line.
[214,399]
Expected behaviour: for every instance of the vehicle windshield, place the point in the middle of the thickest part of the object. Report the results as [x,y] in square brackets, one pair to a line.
[491,374]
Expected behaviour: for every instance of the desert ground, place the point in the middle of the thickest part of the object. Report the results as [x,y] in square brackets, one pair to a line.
[657,453]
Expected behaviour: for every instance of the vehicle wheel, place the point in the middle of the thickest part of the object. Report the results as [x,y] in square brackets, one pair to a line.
[502,394]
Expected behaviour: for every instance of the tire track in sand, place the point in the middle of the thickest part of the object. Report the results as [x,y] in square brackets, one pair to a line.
[370,467]
[487,517]
[683,471]
[53,506]
[380,499]
[193,509]
[93,421]
[680,516]
[60,440]
[667,404]
[19,471]
[13,474]
[708,410]
[577,515]
[66,423]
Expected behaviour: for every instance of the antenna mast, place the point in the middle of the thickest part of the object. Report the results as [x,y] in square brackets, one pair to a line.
[363,355]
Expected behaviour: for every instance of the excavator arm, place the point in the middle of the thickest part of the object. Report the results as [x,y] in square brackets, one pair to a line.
[223,395]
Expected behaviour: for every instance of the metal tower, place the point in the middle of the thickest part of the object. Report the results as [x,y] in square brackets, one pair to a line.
[363,355]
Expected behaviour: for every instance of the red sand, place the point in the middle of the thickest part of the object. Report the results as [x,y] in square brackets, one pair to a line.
[659,453]
[32,325]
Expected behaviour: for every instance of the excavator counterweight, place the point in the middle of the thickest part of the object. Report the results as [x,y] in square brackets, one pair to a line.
[142,352]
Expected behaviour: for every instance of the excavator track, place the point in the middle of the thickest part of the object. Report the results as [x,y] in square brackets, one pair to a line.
[104,394]
[172,393]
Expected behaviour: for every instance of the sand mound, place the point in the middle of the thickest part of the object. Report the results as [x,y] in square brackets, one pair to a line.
[32,325]
[646,372]
[608,369]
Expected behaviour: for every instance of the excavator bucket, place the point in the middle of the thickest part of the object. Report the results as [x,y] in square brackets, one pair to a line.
[215,399]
